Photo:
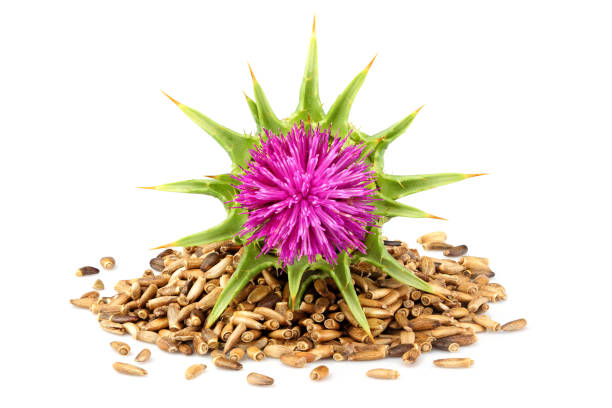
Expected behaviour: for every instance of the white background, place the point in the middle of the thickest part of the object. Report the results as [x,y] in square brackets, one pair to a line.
[521,90]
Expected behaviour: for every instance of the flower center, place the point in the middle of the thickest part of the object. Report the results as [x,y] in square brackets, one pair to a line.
[305,196]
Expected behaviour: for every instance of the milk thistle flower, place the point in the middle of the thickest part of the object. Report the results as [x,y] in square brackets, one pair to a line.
[306,196]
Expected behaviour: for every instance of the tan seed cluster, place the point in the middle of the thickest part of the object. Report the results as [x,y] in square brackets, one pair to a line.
[169,310]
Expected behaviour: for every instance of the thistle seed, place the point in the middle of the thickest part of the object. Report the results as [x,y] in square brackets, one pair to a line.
[129,369]
[259,379]
[120,347]
[383,374]
[87,270]
[144,355]
[194,371]
[108,262]
[454,362]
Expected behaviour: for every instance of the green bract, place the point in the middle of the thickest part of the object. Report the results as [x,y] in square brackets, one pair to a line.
[309,110]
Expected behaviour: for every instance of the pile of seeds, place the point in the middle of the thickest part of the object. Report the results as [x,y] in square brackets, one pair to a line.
[169,309]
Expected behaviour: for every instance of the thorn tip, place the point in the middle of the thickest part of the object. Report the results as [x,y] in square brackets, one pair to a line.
[170,245]
[314,21]
[148,188]
[418,110]
[251,71]
[171,98]
[371,62]
[476,175]
[436,217]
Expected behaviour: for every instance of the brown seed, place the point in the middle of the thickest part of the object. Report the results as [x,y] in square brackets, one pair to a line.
[293,360]
[87,270]
[259,379]
[236,354]
[98,284]
[514,325]
[157,264]
[410,356]
[144,355]
[436,246]
[108,262]
[456,251]
[223,362]
[276,350]
[318,373]
[120,347]
[485,321]
[383,374]
[194,371]
[454,362]
[129,369]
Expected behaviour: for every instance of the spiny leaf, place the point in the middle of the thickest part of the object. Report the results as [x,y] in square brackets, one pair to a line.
[267,118]
[215,188]
[379,142]
[338,114]
[400,186]
[310,103]
[391,208]
[378,256]
[341,274]
[231,226]
[310,277]
[295,273]
[236,145]
[254,111]
[250,265]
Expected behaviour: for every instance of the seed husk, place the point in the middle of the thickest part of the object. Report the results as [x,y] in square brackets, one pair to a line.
[194,371]
[432,236]
[107,262]
[293,360]
[455,251]
[120,347]
[98,284]
[223,362]
[259,379]
[144,355]
[514,325]
[383,374]
[87,270]
[129,369]
[318,373]
[454,362]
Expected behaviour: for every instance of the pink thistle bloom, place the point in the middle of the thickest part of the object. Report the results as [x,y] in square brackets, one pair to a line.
[307,196]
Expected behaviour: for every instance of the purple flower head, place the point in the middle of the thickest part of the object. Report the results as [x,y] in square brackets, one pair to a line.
[307,196]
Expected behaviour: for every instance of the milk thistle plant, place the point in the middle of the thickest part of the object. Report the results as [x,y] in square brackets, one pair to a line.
[308,193]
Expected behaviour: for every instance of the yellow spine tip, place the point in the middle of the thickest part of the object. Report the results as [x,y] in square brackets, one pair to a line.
[314,23]
[371,62]
[246,96]
[476,175]
[170,245]
[418,110]
[171,98]
[436,217]
[251,71]
[148,188]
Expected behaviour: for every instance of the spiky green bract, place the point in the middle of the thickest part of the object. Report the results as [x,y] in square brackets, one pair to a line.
[251,263]
[309,109]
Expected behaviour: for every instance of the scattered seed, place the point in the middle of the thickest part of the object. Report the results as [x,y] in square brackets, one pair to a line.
[223,362]
[318,373]
[108,262]
[194,371]
[259,379]
[129,369]
[383,374]
[144,355]
[514,325]
[454,362]
[120,347]
[432,236]
[87,270]
[98,284]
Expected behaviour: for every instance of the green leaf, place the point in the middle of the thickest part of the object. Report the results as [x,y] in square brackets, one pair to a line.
[294,277]
[310,103]
[400,186]
[249,266]
[378,256]
[342,276]
[391,208]
[236,145]
[379,142]
[338,114]
[231,226]
[267,118]
[254,111]
[215,188]
[311,276]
